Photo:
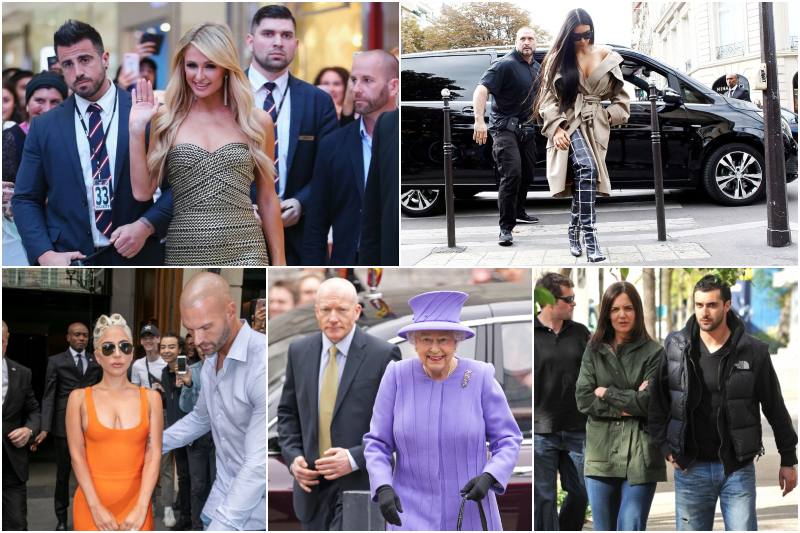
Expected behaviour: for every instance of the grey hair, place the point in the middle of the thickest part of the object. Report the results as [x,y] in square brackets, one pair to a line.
[107,322]
[458,335]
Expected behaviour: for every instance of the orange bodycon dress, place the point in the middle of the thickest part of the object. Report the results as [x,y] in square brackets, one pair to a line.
[116,461]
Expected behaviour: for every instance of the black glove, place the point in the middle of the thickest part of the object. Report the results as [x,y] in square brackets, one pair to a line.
[478,487]
[389,502]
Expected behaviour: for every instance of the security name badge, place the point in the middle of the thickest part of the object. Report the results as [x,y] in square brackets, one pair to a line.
[101,196]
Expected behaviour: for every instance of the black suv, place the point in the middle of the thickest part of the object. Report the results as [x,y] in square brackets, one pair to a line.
[707,140]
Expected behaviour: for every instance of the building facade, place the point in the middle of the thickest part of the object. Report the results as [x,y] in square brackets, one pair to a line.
[708,40]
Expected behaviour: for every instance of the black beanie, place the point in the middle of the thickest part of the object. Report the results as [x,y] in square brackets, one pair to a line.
[46,78]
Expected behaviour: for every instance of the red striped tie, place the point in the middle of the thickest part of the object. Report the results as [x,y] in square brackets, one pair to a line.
[271,108]
[101,173]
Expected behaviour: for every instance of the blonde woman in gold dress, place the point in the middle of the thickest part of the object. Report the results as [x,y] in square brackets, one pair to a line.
[211,144]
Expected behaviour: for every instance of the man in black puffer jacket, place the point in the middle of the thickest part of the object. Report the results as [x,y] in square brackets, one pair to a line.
[704,415]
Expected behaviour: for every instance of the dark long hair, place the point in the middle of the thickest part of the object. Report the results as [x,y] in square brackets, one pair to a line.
[605,332]
[16,115]
[562,57]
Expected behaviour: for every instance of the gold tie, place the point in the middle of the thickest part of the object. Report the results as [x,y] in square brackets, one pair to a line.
[327,399]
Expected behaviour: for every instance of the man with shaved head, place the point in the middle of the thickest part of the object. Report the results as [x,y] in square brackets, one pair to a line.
[73,369]
[734,89]
[339,370]
[342,166]
[20,423]
[232,404]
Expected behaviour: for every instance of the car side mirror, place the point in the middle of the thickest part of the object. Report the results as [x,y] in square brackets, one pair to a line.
[671,96]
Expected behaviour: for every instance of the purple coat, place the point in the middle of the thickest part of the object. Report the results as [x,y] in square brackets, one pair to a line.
[439,430]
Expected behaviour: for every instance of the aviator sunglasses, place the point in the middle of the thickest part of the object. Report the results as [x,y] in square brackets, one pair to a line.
[567,299]
[108,348]
[578,36]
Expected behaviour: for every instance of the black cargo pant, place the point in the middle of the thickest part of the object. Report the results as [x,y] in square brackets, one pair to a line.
[516,162]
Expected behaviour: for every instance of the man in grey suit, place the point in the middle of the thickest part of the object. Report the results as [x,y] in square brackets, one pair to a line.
[734,90]
[325,409]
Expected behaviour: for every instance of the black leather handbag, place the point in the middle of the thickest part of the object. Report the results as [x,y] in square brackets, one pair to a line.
[480,510]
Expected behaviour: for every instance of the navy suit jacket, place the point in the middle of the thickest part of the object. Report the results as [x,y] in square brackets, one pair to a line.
[313,117]
[337,196]
[49,202]
[740,93]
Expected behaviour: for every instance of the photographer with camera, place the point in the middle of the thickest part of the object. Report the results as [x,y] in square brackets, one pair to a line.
[513,80]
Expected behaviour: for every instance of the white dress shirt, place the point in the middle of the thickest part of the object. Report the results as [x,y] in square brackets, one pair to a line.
[83,355]
[106,103]
[343,347]
[5,379]
[366,149]
[257,81]
[233,406]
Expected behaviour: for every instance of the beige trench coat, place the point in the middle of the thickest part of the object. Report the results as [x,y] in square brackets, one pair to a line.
[605,83]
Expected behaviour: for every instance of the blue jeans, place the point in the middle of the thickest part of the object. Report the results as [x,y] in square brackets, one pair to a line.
[559,453]
[617,506]
[206,521]
[697,490]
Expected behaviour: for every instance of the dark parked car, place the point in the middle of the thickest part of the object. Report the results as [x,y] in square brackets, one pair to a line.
[707,140]
[501,314]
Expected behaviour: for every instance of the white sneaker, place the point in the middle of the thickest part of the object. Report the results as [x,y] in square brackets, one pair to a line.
[169,517]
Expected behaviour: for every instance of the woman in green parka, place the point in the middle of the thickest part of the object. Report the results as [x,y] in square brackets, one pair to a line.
[621,465]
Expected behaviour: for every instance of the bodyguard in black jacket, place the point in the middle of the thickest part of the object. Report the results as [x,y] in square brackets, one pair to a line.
[707,398]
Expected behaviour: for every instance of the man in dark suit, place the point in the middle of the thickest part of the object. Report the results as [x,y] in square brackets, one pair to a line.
[337,190]
[74,369]
[303,115]
[380,219]
[73,193]
[20,423]
[734,89]
[325,409]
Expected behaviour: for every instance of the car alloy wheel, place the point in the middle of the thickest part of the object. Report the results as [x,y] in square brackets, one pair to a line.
[421,202]
[734,175]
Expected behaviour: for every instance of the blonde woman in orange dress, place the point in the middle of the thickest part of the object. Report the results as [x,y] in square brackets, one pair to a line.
[114,433]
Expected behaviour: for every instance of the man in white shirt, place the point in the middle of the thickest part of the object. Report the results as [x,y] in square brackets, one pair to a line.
[302,114]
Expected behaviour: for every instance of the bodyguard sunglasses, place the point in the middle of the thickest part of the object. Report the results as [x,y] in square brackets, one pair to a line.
[578,36]
[108,348]
[567,299]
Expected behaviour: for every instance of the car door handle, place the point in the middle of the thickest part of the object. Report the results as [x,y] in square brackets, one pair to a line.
[469,111]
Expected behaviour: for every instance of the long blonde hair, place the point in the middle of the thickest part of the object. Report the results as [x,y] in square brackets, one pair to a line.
[215,41]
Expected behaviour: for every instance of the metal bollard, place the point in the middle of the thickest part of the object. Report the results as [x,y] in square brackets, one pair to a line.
[449,201]
[658,172]
[360,513]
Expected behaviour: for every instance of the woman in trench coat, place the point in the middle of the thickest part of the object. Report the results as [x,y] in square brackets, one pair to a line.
[577,76]
[621,464]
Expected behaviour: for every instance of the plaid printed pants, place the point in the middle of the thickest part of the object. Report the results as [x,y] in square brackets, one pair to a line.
[584,192]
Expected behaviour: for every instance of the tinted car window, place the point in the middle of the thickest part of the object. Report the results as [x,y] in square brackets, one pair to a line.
[277,359]
[691,96]
[517,367]
[423,78]
[466,349]
[637,80]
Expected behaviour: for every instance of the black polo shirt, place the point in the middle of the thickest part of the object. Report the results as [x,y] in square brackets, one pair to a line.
[510,80]
[556,365]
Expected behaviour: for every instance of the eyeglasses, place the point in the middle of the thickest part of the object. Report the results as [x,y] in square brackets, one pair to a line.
[428,341]
[567,299]
[578,36]
[108,348]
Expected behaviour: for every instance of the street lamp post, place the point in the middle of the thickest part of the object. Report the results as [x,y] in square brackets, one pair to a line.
[658,173]
[778,234]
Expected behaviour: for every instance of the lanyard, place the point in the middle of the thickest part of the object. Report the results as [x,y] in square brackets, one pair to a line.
[105,133]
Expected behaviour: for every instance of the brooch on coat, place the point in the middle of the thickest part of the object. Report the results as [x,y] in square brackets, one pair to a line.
[467,374]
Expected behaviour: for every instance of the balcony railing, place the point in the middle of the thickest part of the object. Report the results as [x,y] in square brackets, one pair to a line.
[688,65]
[793,41]
[735,49]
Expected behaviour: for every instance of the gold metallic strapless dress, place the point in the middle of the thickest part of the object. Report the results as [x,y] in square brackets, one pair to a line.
[213,221]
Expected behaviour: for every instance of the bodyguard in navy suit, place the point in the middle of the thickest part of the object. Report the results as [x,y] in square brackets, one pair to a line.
[303,115]
[342,166]
[734,89]
[73,195]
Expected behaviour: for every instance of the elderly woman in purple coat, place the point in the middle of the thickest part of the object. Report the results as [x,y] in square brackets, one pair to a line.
[437,413]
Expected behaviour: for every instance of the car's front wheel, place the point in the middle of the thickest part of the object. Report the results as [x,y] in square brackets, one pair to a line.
[733,175]
[422,202]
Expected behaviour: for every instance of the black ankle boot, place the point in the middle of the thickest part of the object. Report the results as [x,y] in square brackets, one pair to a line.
[593,253]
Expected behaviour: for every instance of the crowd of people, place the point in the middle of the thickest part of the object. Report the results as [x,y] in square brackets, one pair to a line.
[195,405]
[612,408]
[225,167]
[286,294]
[362,418]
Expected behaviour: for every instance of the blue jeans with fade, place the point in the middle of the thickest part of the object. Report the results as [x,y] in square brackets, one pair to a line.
[618,506]
[697,490]
[556,453]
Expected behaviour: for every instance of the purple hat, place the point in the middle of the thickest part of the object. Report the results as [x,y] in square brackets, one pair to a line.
[438,310]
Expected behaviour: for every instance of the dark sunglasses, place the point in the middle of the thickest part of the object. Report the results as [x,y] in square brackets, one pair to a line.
[108,348]
[578,36]
[567,299]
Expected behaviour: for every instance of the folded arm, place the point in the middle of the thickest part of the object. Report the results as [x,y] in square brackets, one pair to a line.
[588,402]
[634,402]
